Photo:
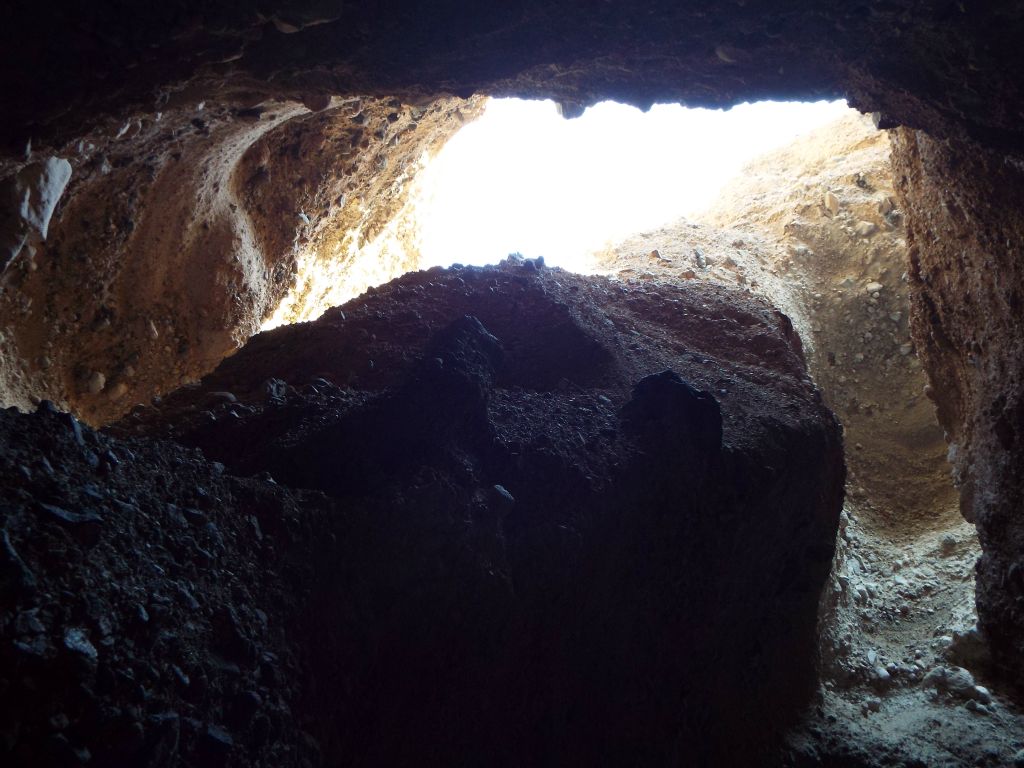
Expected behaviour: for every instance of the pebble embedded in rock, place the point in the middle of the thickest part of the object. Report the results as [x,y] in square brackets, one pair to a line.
[956,681]
[873,287]
[865,228]
[831,203]
[97,381]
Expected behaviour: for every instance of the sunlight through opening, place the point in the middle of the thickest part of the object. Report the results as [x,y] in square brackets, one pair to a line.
[521,179]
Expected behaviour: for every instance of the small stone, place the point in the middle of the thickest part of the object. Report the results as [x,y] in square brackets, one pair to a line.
[216,745]
[831,203]
[118,391]
[865,228]
[97,381]
[12,567]
[948,544]
[76,640]
[316,102]
[882,677]
[180,675]
[906,348]
[71,518]
[501,498]
[873,287]
[74,426]
[956,681]
[152,331]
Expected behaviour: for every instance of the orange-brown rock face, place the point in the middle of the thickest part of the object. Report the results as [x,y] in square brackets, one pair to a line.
[180,234]
[967,280]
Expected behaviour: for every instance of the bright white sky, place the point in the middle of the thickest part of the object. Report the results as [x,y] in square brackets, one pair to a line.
[521,178]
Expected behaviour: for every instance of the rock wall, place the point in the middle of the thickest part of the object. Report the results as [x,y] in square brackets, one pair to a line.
[967,280]
[941,65]
[839,254]
[181,233]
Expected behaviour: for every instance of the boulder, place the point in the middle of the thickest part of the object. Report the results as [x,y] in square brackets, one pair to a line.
[587,521]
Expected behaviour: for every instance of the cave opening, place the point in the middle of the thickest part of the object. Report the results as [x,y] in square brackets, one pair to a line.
[792,202]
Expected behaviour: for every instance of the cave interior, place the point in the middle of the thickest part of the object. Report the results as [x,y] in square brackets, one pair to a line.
[749,493]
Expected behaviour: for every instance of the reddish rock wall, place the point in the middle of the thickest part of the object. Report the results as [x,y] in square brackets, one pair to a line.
[180,233]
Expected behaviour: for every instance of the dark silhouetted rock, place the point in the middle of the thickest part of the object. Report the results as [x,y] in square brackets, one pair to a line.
[551,552]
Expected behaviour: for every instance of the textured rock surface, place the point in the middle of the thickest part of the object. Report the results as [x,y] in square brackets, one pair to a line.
[181,233]
[643,584]
[938,64]
[147,601]
[851,296]
[968,286]
[899,607]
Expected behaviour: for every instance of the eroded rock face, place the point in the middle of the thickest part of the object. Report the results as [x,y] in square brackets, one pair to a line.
[966,271]
[586,520]
[180,234]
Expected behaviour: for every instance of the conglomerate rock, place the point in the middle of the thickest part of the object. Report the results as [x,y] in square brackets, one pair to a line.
[180,233]
[588,521]
[967,279]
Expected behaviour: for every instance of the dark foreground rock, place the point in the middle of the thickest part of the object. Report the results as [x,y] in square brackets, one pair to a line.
[146,600]
[494,516]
